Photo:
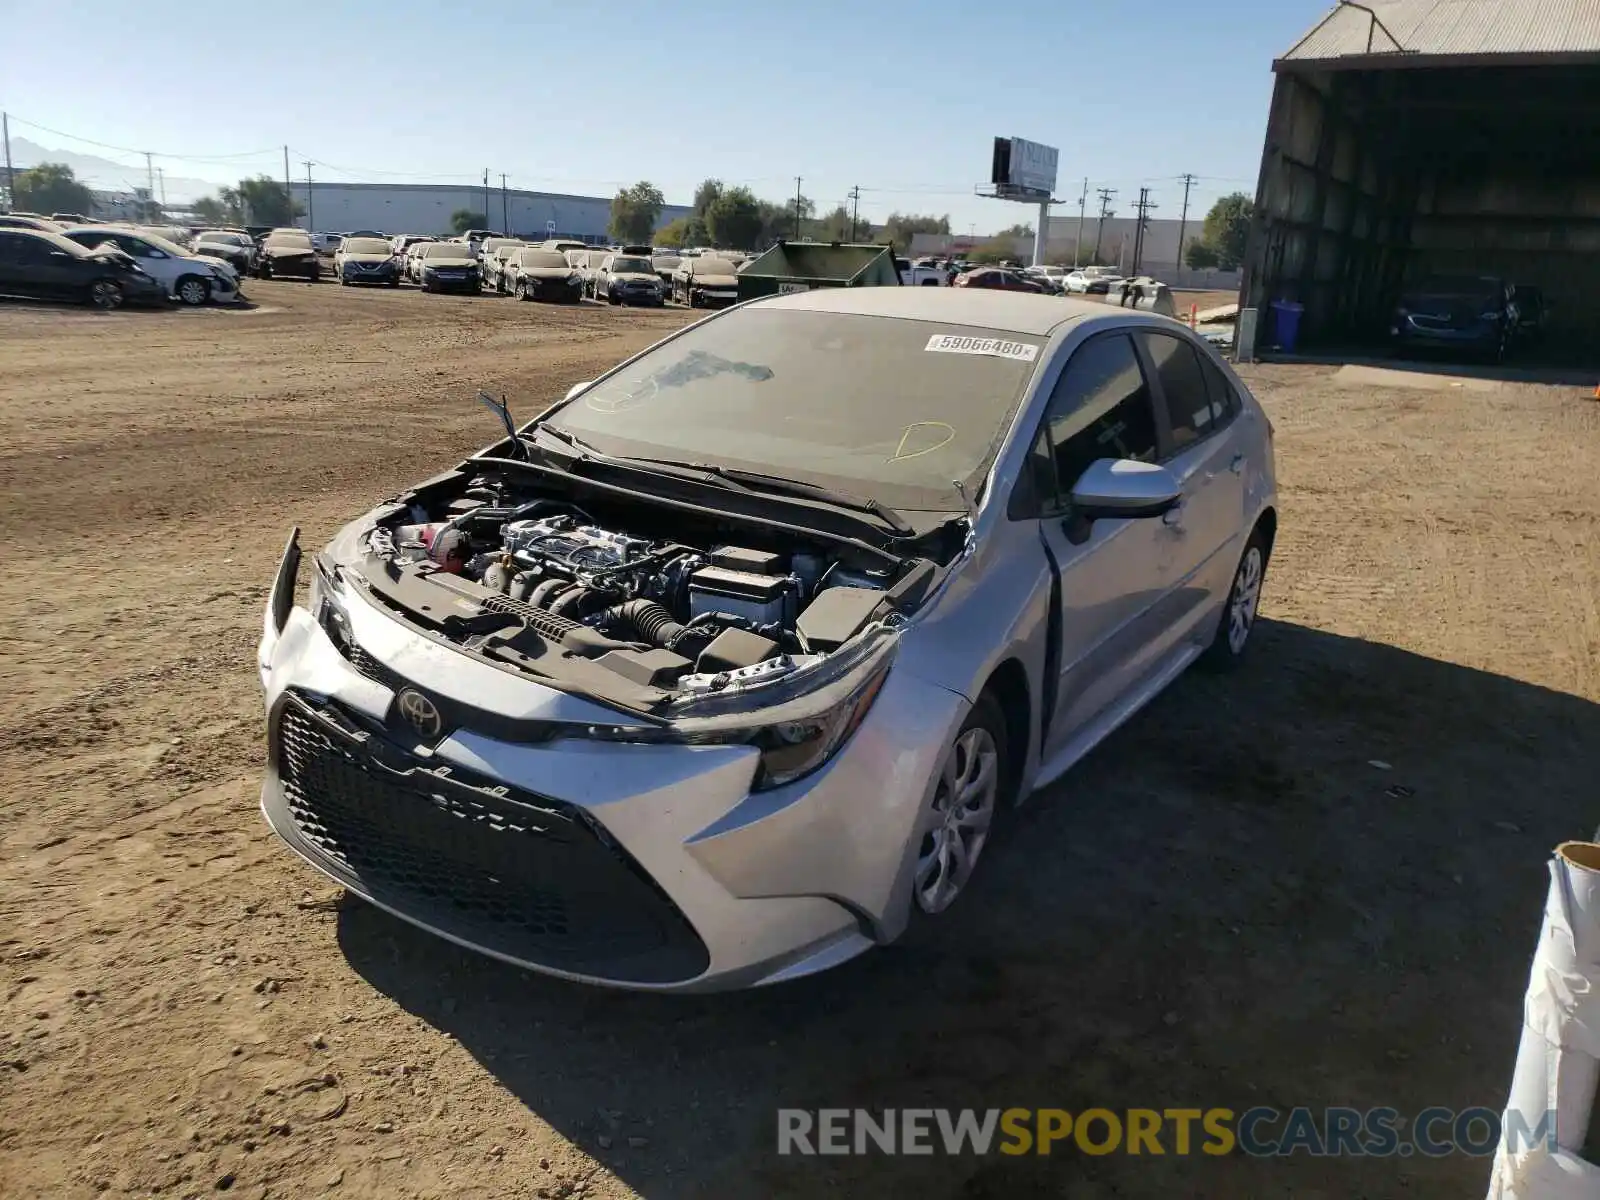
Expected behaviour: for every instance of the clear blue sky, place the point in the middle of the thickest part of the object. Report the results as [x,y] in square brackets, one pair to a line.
[902,98]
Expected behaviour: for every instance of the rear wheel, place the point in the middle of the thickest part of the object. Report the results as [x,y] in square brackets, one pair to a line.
[1239,610]
[105,294]
[192,291]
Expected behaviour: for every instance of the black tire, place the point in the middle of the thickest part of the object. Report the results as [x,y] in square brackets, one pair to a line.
[524,290]
[265,270]
[316,274]
[192,291]
[1228,646]
[984,730]
[105,294]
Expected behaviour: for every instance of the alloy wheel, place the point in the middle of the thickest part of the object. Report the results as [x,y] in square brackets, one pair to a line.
[964,806]
[1246,595]
[105,294]
[192,292]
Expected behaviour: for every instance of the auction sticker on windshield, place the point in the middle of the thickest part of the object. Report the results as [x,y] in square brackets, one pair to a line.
[951,343]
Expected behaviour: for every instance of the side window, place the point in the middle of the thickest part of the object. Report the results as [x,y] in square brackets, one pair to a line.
[10,248]
[1188,402]
[1100,408]
[32,252]
[1225,403]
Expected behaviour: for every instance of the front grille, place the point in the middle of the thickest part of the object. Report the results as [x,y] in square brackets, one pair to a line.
[500,868]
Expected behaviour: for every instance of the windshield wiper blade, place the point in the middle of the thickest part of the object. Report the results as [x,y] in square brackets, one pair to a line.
[812,491]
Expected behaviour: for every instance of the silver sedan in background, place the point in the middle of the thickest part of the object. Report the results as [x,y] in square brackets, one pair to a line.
[723,670]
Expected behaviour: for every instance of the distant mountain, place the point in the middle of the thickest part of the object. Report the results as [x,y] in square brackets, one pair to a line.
[103,174]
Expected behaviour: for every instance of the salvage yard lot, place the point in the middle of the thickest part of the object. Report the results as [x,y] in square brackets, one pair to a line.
[1228,904]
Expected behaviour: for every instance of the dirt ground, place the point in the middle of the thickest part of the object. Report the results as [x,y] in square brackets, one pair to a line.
[1228,904]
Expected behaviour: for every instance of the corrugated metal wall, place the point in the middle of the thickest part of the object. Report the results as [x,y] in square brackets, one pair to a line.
[1370,177]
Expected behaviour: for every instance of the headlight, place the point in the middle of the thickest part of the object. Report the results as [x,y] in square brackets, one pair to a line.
[574,278]
[798,722]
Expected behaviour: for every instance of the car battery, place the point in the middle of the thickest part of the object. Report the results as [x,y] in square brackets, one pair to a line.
[764,599]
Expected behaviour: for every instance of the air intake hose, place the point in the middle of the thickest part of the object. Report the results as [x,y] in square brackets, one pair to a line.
[646,619]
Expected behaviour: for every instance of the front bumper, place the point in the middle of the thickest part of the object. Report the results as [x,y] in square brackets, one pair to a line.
[469,281]
[292,268]
[353,274]
[675,876]
[715,297]
[1481,335]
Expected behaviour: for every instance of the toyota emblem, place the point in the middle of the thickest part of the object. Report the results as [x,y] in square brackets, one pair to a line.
[420,713]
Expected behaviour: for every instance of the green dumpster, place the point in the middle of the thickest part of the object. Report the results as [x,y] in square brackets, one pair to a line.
[802,266]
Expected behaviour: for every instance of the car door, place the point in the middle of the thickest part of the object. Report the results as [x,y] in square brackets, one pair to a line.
[1109,583]
[1202,536]
[15,280]
[154,261]
[49,273]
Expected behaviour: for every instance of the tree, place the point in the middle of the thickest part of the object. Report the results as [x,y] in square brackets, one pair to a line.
[51,187]
[464,219]
[265,201]
[998,250]
[1018,232]
[1199,256]
[835,226]
[1227,229]
[674,233]
[900,227]
[735,219]
[213,211]
[635,211]
[807,209]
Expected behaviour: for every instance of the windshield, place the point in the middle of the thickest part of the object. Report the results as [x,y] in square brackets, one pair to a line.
[883,408]
[490,245]
[365,246]
[536,259]
[713,266]
[447,250]
[638,266]
[1455,285]
[665,262]
[225,239]
[288,241]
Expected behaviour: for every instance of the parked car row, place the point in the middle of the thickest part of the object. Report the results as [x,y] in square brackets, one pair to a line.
[107,266]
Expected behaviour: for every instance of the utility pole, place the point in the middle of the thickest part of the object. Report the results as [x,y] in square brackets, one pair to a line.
[1083,202]
[1183,221]
[505,221]
[797,208]
[311,208]
[161,178]
[288,196]
[149,175]
[486,196]
[1144,208]
[855,209]
[11,175]
[1105,211]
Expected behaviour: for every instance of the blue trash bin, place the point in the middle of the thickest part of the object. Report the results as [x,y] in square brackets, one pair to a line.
[1286,323]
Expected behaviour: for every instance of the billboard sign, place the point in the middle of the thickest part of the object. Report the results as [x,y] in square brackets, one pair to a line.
[1021,166]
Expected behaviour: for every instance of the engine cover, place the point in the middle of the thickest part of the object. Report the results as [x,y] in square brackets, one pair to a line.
[578,547]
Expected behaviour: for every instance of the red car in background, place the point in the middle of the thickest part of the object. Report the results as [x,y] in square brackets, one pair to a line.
[997,279]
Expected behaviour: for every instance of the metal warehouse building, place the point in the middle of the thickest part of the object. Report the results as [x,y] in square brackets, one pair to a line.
[1416,136]
[426,208]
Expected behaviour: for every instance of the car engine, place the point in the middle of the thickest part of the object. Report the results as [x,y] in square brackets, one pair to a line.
[659,613]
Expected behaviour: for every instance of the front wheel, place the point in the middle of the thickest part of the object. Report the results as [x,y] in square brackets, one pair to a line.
[966,801]
[1241,607]
[105,294]
[192,291]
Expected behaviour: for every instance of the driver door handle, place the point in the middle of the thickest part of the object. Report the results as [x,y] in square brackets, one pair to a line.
[1237,465]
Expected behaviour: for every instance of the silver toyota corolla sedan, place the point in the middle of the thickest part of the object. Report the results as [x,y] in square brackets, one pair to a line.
[720,672]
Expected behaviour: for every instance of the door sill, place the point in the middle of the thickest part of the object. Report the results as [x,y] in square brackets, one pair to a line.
[1111,717]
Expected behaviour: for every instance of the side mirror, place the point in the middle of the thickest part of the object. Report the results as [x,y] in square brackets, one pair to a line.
[1125,487]
[575,389]
[156,254]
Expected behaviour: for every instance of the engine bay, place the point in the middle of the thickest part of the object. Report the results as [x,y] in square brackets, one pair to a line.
[630,602]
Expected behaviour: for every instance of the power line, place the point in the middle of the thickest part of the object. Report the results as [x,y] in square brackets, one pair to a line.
[131,150]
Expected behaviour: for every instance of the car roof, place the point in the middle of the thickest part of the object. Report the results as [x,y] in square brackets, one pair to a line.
[1016,312]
